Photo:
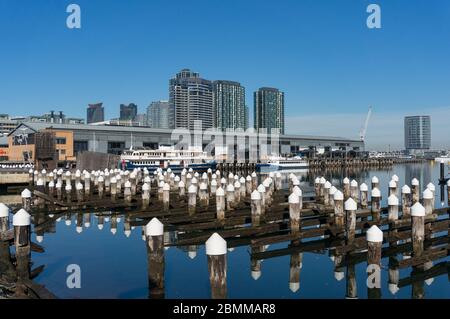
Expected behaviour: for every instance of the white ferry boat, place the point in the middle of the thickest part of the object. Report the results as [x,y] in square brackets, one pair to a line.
[166,157]
[445,159]
[282,163]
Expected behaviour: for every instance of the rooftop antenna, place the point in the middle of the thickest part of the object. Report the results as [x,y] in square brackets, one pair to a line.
[362,133]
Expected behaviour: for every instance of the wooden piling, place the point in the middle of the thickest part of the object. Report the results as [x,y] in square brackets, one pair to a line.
[192,199]
[166,196]
[428,201]
[415,190]
[346,188]
[350,211]
[256,209]
[230,197]
[22,236]
[392,188]
[4,218]
[294,213]
[26,199]
[220,204]
[418,228]
[354,192]
[216,250]
[406,201]
[376,204]
[364,200]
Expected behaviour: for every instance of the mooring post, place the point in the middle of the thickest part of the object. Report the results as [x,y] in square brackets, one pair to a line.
[230,196]
[237,192]
[107,180]
[354,192]
[87,184]
[374,237]
[203,194]
[317,188]
[350,210]
[243,189]
[216,250]
[294,213]
[4,218]
[133,183]
[220,204]
[256,207]
[415,189]
[326,193]
[22,235]
[375,182]
[127,192]
[278,185]
[428,201]
[166,196]
[364,200]
[113,189]
[248,185]
[192,199]
[393,203]
[145,195]
[155,253]
[346,188]
[375,204]
[406,201]
[392,188]
[339,217]
[80,193]
[254,181]
[68,189]
[181,189]
[331,193]
[30,177]
[213,186]
[432,188]
[418,228]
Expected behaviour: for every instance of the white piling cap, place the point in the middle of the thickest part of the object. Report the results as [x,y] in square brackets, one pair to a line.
[392,183]
[395,178]
[376,192]
[317,180]
[203,186]
[176,179]
[220,192]
[181,184]
[68,222]
[39,238]
[296,182]
[431,187]
[113,180]
[223,180]
[339,275]
[297,190]
[374,235]
[192,189]
[253,174]
[79,186]
[266,183]
[40,182]
[68,187]
[323,180]
[230,188]
[428,194]
[237,185]
[30,171]
[293,199]
[256,274]
[21,218]
[338,195]
[406,190]
[230,175]
[255,195]
[277,174]
[145,187]
[79,229]
[393,200]
[214,176]
[127,184]
[346,181]
[415,182]
[375,179]
[209,170]
[213,182]
[417,210]
[101,179]
[363,187]
[58,184]
[327,185]
[68,174]
[166,187]
[350,205]
[271,174]
[26,193]
[154,228]
[51,184]
[216,245]
[204,176]
[294,286]
[242,180]
[332,190]
[4,210]
[261,188]
[354,183]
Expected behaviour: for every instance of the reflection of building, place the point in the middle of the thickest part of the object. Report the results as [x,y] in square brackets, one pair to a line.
[95,113]
[190,99]
[128,112]
[229,105]
[417,133]
[269,109]
[419,171]
[158,114]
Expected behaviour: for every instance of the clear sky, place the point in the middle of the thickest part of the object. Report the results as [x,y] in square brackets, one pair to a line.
[319,52]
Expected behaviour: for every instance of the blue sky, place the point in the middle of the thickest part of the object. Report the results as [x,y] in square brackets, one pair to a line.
[319,52]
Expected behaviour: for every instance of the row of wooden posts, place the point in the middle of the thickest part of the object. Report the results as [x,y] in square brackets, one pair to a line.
[229,192]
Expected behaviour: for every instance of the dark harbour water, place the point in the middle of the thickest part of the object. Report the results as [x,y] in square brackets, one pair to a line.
[115,266]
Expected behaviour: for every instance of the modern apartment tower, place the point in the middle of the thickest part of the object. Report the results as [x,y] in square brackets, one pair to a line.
[95,113]
[158,114]
[417,133]
[190,99]
[229,105]
[269,109]
[128,112]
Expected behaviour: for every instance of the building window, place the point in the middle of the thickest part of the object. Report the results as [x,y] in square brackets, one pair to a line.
[116,147]
[80,146]
[62,152]
[61,140]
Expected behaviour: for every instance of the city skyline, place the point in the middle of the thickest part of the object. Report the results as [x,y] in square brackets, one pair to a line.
[329,64]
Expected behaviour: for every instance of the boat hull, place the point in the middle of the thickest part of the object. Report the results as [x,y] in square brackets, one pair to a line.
[200,167]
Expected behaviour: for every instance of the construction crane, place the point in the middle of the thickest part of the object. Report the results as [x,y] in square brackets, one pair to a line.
[362,133]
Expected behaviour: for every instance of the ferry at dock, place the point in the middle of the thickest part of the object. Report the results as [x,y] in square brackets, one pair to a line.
[166,157]
[282,163]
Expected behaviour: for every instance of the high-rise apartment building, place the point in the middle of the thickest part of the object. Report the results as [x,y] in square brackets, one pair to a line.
[95,113]
[158,114]
[229,105]
[128,112]
[417,132]
[269,109]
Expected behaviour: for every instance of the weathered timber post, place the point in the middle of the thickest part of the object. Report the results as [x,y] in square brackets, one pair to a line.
[22,235]
[145,195]
[26,199]
[392,188]
[80,193]
[415,189]
[326,193]
[4,218]
[350,211]
[375,182]
[339,217]
[406,201]
[364,196]
[256,207]
[220,204]
[375,204]
[68,193]
[374,237]
[155,256]
[166,196]
[254,181]
[294,213]
[192,199]
[346,188]
[418,228]
[262,190]
[216,250]
[354,192]
[230,196]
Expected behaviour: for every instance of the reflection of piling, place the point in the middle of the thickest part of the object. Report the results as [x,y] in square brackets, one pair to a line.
[216,251]
[351,285]
[155,254]
[374,237]
[295,266]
